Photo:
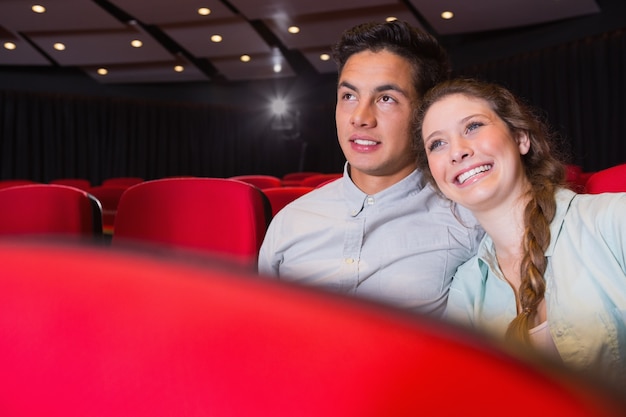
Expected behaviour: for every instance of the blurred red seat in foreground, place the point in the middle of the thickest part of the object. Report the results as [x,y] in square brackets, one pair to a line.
[100,332]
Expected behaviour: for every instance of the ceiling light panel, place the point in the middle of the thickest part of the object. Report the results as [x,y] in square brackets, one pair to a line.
[23,54]
[238,38]
[63,15]
[324,30]
[93,48]
[148,73]
[173,11]
[259,67]
[272,9]
[478,16]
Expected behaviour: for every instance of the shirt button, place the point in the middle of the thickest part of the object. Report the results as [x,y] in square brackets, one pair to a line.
[349,260]
[370,201]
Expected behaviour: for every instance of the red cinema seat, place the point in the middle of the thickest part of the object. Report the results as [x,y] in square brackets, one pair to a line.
[213,215]
[320,179]
[279,197]
[14,182]
[295,178]
[81,183]
[609,180]
[100,332]
[109,197]
[261,181]
[122,181]
[49,209]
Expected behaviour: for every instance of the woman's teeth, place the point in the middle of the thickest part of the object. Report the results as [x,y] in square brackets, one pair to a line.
[466,175]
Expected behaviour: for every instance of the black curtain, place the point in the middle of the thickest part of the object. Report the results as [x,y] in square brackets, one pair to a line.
[46,136]
[580,87]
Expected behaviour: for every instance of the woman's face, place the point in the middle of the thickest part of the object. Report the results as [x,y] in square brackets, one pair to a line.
[472,154]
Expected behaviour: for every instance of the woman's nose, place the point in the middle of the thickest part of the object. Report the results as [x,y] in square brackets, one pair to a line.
[460,150]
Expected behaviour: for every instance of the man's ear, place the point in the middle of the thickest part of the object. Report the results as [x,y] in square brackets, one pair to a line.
[523,143]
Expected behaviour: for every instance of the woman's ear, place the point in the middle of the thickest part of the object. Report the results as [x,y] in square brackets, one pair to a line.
[523,143]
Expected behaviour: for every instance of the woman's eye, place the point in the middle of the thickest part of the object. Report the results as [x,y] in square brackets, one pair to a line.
[473,126]
[434,145]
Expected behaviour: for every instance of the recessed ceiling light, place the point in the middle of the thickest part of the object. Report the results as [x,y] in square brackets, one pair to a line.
[391,19]
[59,46]
[102,71]
[245,58]
[324,57]
[216,38]
[10,46]
[179,68]
[293,29]
[204,11]
[37,8]
[136,43]
[447,15]
[278,68]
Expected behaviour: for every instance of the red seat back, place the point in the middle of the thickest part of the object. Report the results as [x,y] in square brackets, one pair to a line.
[109,197]
[609,180]
[82,183]
[14,182]
[261,181]
[279,197]
[49,209]
[89,332]
[320,179]
[213,215]
[122,181]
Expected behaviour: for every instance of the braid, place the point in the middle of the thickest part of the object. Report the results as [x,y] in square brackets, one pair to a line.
[538,214]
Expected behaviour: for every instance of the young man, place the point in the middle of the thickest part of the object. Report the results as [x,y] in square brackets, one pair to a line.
[379,232]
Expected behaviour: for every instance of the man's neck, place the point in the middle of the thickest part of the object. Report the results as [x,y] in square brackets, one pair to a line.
[373,184]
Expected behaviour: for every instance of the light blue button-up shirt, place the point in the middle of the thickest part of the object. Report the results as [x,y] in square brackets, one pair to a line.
[585,284]
[400,246]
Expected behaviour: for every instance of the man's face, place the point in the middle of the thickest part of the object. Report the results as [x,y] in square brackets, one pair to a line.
[375,101]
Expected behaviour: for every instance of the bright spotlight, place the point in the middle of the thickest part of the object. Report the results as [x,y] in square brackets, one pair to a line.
[279,106]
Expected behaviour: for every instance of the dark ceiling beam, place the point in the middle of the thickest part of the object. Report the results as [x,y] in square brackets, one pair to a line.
[298,62]
[296,59]
[420,18]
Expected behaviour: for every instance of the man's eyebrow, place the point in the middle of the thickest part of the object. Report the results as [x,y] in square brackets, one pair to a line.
[346,85]
[379,89]
[391,87]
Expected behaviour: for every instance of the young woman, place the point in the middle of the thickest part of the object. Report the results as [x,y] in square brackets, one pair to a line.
[551,270]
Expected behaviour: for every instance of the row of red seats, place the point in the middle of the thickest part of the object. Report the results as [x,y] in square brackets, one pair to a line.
[212,215]
[154,209]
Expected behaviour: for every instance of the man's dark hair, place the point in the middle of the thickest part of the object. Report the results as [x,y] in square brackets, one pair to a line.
[429,61]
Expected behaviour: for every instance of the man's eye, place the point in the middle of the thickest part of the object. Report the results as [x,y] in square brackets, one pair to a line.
[347,96]
[387,99]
